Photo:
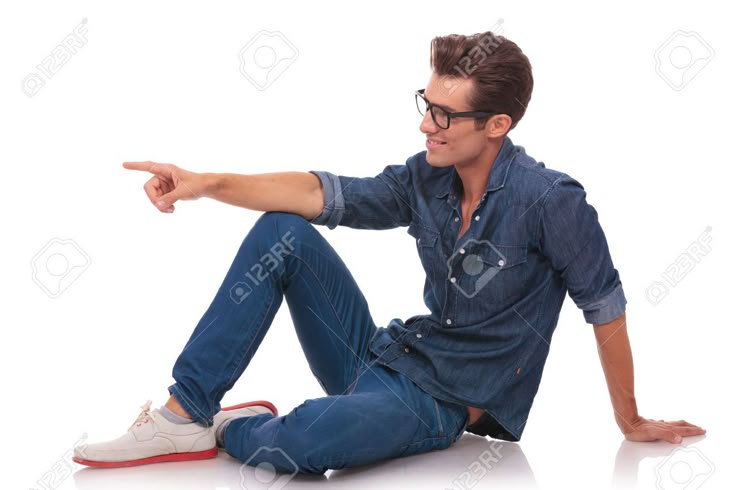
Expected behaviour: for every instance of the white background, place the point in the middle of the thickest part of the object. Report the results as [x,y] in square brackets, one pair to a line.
[162,82]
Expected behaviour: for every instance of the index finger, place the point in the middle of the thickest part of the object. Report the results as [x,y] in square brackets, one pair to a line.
[682,423]
[154,168]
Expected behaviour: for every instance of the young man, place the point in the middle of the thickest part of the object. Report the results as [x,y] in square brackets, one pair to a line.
[502,240]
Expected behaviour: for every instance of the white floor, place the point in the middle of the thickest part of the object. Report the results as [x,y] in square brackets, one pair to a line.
[473,462]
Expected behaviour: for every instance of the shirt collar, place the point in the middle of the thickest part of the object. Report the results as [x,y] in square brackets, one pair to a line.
[497,177]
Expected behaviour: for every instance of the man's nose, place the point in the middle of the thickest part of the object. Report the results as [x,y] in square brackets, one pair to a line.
[427,125]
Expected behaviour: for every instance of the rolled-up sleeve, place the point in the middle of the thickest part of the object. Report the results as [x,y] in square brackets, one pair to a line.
[373,203]
[573,241]
[334,205]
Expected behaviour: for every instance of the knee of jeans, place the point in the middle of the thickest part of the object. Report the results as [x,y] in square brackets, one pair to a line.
[281,221]
[280,231]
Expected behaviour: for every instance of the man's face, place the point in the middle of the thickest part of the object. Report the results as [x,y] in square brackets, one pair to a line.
[461,143]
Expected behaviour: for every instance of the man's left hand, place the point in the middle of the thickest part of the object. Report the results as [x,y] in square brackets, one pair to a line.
[642,429]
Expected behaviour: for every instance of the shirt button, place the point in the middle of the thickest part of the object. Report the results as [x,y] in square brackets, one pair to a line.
[477,218]
[501,263]
[457,219]
[453,280]
[419,336]
[406,349]
[462,251]
[449,322]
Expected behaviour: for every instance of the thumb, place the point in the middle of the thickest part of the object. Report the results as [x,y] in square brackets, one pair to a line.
[669,436]
[167,200]
[675,438]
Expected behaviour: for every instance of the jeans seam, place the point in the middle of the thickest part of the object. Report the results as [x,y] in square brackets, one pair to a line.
[422,441]
[439,417]
[358,360]
[253,338]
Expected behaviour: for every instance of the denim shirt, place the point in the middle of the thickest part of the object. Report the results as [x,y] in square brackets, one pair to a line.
[496,293]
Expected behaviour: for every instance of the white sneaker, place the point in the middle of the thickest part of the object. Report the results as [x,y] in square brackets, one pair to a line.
[153,439]
[242,410]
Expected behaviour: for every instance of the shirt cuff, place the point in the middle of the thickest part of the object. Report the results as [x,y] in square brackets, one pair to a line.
[334,205]
[607,308]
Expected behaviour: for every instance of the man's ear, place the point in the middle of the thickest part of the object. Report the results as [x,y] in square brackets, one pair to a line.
[497,126]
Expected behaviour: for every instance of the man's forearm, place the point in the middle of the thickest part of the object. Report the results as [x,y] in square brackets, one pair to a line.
[615,354]
[293,192]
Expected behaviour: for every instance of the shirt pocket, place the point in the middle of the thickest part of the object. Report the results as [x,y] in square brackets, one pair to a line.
[496,272]
[426,241]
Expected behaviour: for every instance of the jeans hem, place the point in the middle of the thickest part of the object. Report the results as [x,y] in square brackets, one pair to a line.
[190,408]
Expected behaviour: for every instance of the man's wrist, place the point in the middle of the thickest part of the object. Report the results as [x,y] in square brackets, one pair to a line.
[212,184]
[626,418]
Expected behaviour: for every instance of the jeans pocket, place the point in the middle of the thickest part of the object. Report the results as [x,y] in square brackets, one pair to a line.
[451,421]
[433,429]
[455,420]
[462,417]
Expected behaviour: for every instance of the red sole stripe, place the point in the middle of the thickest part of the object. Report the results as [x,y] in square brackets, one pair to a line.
[263,403]
[210,453]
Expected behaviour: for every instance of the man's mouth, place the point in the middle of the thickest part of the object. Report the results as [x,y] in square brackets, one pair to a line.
[432,143]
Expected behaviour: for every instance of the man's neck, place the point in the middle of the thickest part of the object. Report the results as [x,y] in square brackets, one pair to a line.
[474,175]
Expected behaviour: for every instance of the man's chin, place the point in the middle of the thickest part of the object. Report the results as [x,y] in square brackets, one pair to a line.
[437,162]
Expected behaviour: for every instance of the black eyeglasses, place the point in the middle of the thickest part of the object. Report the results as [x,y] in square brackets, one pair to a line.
[440,116]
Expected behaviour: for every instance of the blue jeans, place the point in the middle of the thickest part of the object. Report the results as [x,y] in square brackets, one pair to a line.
[371,412]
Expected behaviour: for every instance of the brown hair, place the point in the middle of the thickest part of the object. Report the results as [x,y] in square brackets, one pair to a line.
[501,74]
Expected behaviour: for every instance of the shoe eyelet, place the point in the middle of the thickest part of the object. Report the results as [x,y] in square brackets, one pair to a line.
[137,425]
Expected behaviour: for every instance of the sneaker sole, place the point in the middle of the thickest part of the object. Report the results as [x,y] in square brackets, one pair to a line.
[210,453]
[262,403]
[193,456]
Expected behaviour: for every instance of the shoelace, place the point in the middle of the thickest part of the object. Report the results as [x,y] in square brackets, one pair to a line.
[144,417]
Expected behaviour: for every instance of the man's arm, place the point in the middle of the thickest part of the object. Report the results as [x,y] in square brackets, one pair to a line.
[292,192]
[615,354]
[374,203]
[574,242]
